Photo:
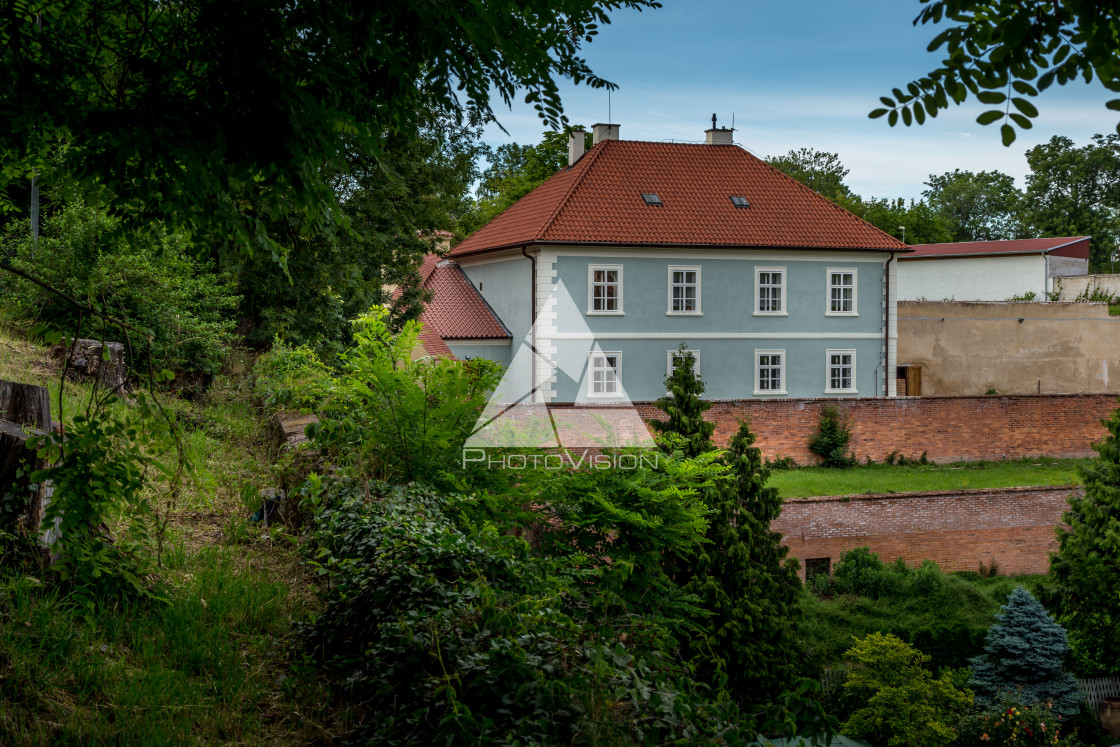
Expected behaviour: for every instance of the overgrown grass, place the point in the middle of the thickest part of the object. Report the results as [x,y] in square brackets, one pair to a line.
[887,478]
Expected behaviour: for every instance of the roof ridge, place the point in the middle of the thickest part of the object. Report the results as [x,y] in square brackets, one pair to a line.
[591,156]
[846,213]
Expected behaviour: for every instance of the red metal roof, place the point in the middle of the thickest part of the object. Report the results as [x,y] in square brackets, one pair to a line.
[599,201]
[1067,246]
[457,311]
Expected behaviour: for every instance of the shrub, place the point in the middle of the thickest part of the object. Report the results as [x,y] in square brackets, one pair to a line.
[147,278]
[289,378]
[684,408]
[1023,658]
[902,704]
[1012,724]
[831,440]
[860,571]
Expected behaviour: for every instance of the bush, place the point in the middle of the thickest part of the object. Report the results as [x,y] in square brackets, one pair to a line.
[860,571]
[1012,724]
[902,704]
[450,634]
[831,440]
[144,277]
[289,378]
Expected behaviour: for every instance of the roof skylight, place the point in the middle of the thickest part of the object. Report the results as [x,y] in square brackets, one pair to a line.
[740,202]
[652,199]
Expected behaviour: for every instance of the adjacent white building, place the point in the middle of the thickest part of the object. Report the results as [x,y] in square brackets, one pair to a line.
[990,270]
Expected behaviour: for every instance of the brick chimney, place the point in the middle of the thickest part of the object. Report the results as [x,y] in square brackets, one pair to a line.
[575,146]
[602,131]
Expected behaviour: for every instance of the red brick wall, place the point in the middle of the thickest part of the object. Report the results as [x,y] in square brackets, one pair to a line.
[949,429]
[1013,527]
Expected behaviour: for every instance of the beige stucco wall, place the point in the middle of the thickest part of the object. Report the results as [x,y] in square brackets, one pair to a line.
[1071,288]
[971,347]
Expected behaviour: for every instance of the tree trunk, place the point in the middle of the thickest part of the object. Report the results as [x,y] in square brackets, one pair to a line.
[25,404]
[22,503]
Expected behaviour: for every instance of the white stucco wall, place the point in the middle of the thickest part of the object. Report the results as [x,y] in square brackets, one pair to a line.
[972,278]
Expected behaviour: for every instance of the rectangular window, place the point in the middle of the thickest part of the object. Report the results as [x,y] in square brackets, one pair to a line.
[671,360]
[604,289]
[770,290]
[603,375]
[770,372]
[841,292]
[841,371]
[684,290]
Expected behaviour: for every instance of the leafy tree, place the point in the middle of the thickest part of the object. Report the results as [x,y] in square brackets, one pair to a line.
[684,407]
[922,223]
[1085,569]
[219,116]
[516,170]
[149,278]
[1023,657]
[818,170]
[831,440]
[745,582]
[1076,191]
[1005,52]
[902,703]
[976,207]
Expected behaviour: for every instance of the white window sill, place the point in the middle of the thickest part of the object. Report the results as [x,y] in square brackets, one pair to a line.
[771,392]
[604,396]
[683,313]
[605,313]
[771,313]
[841,391]
[840,313]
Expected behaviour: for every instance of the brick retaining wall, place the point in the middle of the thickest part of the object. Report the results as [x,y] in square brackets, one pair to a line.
[1014,527]
[949,429]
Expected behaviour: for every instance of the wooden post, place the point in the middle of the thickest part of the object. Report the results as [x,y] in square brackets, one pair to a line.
[25,404]
[25,412]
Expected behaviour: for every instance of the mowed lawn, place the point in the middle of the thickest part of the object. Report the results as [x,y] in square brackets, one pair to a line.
[887,478]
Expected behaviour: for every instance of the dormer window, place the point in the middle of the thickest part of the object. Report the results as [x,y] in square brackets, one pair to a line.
[740,202]
[651,199]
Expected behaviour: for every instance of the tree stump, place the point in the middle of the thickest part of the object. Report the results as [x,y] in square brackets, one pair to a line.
[87,362]
[25,404]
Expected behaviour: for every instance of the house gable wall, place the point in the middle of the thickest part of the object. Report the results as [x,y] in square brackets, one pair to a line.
[972,278]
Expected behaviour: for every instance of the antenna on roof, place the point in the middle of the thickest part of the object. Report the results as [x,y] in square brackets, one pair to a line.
[733,120]
[609,106]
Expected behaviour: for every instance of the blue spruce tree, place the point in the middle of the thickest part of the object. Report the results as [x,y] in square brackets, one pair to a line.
[1022,660]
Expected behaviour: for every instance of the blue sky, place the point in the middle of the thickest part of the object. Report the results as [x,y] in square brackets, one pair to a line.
[800,73]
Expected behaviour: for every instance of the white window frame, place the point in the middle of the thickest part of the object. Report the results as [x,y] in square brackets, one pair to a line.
[591,290]
[783,311]
[828,371]
[592,368]
[684,268]
[670,354]
[758,391]
[829,286]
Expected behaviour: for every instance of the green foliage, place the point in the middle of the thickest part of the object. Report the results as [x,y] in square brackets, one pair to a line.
[453,633]
[831,440]
[1005,52]
[818,170]
[1026,297]
[903,703]
[101,471]
[923,224]
[392,418]
[977,207]
[219,117]
[1096,294]
[1023,659]
[1085,573]
[1075,192]
[745,583]
[684,408]
[288,378]
[1012,724]
[146,278]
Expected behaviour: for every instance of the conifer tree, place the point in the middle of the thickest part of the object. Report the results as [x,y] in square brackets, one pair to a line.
[683,406]
[1086,567]
[1022,660]
[746,583]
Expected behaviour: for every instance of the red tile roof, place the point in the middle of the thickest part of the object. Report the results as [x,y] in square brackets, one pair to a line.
[599,201]
[1069,246]
[457,311]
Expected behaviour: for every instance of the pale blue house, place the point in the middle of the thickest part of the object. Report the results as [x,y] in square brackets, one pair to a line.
[603,271]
